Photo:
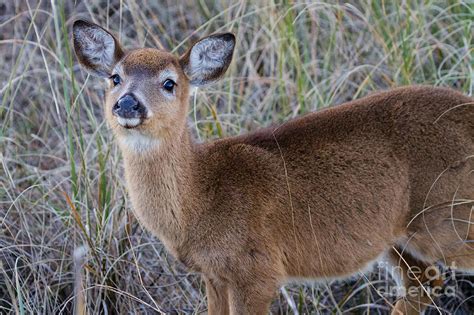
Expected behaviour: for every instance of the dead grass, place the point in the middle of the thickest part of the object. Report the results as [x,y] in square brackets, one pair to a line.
[63,211]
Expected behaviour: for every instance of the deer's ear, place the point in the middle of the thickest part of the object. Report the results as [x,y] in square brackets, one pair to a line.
[208,59]
[97,50]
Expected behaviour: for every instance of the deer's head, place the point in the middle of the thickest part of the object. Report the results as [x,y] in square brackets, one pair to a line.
[147,98]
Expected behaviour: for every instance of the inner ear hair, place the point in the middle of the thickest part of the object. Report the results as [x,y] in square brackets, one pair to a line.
[96,48]
[208,59]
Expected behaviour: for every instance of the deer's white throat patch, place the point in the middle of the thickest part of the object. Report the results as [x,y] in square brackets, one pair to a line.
[137,142]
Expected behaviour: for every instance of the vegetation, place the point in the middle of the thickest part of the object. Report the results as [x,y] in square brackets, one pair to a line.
[65,221]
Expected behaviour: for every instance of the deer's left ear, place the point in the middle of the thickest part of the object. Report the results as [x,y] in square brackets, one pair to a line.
[208,59]
[97,50]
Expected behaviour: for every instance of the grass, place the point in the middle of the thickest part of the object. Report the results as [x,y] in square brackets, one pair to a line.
[65,223]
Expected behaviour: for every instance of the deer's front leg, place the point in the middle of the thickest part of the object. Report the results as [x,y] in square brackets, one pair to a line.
[217,297]
[251,298]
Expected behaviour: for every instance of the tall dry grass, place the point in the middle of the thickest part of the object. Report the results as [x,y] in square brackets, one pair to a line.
[67,237]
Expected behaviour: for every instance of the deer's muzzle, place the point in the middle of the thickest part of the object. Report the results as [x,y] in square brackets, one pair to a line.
[129,111]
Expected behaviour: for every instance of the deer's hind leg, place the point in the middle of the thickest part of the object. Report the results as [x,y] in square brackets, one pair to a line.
[417,278]
[444,234]
[447,236]
[449,242]
[441,231]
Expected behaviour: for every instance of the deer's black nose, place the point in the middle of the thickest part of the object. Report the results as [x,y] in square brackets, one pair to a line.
[129,107]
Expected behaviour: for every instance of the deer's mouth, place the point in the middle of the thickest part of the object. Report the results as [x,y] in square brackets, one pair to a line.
[129,123]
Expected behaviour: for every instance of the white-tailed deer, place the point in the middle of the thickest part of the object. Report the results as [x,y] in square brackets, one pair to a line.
[387,177]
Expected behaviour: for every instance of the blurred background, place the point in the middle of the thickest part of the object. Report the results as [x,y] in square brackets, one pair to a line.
[65,221]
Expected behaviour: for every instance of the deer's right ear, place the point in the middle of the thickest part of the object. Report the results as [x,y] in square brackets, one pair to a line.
[97,50]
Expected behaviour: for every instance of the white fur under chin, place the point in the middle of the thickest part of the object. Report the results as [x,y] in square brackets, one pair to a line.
[128,122]
[138,143]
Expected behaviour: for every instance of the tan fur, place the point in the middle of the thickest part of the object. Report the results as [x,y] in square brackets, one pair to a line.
[320,196]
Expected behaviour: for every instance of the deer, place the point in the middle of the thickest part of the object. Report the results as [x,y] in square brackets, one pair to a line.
[326,195]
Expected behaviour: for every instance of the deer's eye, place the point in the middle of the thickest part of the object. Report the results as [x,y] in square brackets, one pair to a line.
[169,85]
[116,79]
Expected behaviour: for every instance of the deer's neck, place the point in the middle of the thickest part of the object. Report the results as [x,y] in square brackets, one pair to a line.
[161,187]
